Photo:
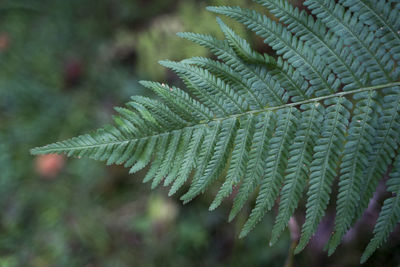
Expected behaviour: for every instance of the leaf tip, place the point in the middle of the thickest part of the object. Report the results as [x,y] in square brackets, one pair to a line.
[273,240]
[243,234]
[364,258]
[210,8]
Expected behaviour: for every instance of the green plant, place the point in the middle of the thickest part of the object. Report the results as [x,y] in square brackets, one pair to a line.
[325,105]
[160,41]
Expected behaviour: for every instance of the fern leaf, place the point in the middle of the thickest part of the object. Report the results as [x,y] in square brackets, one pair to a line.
[368,49]
[211,86]
[275,165]
[300,157]
[293,50]
[238,162]
[261,87]
[257,156]
[291,79]
[180,102]
[168,159]
[212,168]
[242,47]
[180,153]
[354,162]
[145,157]
[313,32]
[379,16]
[281,70]
[389,215]
[384,148]
[323,172]
[274,123]
[227,74]
[158,159]
[188,163]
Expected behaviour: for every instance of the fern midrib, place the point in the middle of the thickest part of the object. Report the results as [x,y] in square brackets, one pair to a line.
[311,100]
[251,112]
[349,30]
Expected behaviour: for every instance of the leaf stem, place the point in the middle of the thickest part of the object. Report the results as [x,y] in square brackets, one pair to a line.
[313,100]
[60,147]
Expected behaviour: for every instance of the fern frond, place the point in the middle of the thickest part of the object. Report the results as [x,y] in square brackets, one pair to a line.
[291,48]
[384,147]
[242,47]
[261,89]
[180,154]
[228,75]
[355,160]
[353,32]
[325,106]
[188,163]
[300,157]
[257,155]
[214,158]
[382,18]
[210,87]
[168,158]
[314,33]
[323,172]
[239,160]
[274,166]
[389,215]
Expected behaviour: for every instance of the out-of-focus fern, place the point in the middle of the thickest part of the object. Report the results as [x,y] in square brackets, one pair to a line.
[326,105]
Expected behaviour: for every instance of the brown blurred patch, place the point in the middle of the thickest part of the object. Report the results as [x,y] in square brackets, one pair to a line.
[73,72]
[4,41]
[49,166]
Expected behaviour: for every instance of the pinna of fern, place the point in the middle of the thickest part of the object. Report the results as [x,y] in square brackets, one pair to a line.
[324,107]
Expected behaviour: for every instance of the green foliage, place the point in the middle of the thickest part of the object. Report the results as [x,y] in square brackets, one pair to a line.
[325,105]
[159,40]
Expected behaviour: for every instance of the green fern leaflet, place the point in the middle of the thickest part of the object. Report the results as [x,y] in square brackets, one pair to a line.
[324,108]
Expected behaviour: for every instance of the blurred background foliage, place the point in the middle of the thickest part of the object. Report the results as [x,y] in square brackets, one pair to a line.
[63,66]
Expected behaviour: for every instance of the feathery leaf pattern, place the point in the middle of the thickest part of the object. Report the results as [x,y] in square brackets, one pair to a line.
[324,109]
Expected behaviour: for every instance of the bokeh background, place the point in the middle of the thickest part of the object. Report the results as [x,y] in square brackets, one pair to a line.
[63,66]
